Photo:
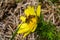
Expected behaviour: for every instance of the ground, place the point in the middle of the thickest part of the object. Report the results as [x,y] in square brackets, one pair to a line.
[10,11]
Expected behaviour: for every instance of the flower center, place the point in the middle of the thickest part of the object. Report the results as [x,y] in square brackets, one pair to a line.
[28,19]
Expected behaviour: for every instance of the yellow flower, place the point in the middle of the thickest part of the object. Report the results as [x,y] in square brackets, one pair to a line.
[38,10]
[23,28]
[33,24]
[26,12]
[23,19]
[27,28]
[29,23]
[30,11]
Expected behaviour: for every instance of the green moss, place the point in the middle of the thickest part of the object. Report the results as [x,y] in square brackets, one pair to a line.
[46,30]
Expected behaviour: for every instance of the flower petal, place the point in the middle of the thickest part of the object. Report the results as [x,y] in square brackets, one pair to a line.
[33,24]
[26,12]
[23,28]
[31,10]
[26,34]
[22,18]
[38,10]
[34,28]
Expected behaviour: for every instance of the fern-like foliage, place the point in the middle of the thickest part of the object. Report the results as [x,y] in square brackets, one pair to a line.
[46,30]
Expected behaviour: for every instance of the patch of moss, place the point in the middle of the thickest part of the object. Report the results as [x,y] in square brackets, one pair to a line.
[46,30]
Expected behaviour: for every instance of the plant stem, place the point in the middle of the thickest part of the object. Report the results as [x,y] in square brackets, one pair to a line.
[14,34]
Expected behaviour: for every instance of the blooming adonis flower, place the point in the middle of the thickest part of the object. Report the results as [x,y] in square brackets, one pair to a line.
[29,21]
